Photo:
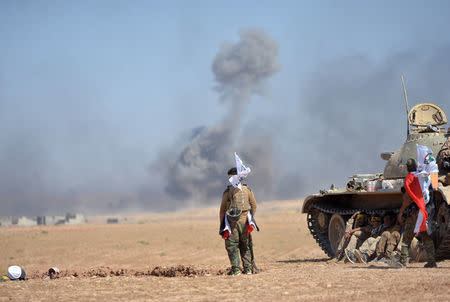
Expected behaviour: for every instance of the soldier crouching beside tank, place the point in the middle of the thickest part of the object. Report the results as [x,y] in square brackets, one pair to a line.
[236,203]
[375,229]
[381,247]
[390,238]
[410,208]
[355,234]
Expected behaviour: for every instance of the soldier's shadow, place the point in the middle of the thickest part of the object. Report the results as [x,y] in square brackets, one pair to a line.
[304,260]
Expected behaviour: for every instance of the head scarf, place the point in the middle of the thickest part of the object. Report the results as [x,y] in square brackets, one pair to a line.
[16,273]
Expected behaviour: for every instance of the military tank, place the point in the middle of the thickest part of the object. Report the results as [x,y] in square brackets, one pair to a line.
[328,211]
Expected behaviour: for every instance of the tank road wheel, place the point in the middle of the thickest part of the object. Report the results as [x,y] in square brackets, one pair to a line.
[322,221]
[336,230]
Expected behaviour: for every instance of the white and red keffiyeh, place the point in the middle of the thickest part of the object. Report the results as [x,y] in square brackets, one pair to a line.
[426,165]
[242,172]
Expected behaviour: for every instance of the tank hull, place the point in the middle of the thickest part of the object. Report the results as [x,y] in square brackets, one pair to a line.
[350,202]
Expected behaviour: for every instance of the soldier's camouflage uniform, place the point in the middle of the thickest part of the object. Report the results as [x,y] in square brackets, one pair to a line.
[389,240]
[237,243]
[382,244]
[369,246]
[354,242]
[408,236]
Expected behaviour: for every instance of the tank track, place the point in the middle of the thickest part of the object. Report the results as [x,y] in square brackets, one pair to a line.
[321,237]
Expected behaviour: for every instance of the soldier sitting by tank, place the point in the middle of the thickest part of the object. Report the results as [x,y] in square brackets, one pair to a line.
[356,232]
[375,230]
[382,248]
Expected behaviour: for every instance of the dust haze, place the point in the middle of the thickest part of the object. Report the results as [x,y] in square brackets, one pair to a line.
[64,154]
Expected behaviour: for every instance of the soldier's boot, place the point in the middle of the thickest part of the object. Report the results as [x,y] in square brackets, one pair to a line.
[380,258]
[234,271]
[430,264]
[429,247]
[393,257]
[255,269]
[390,248]
[351,256]
[390,252]
[362,257]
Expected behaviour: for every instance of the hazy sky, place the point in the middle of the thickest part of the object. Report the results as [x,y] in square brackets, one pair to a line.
[101,101]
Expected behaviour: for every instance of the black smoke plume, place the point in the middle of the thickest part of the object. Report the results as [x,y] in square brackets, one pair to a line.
[198,172]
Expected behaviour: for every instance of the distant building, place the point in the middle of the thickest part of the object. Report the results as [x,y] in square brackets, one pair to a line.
[75,219]
[112,220]
[26,221]
[51,220]
[6,221]
[69,218]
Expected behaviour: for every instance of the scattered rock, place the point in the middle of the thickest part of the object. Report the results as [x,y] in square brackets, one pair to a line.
[178,271]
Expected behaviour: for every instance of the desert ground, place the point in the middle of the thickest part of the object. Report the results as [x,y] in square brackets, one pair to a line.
[180,257]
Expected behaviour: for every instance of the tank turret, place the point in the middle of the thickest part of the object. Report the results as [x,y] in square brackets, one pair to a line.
[427,122]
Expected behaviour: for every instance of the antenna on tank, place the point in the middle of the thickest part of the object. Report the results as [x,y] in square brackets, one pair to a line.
[407,107]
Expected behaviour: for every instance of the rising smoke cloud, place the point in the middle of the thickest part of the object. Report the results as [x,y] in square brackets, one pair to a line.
[240,70]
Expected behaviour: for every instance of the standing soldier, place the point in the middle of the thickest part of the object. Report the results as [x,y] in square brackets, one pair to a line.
[413,201]
[236,216]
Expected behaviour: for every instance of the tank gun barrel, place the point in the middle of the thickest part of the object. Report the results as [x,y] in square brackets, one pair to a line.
[407,107]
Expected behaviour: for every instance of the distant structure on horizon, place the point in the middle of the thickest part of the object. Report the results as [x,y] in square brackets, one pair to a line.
[69,218]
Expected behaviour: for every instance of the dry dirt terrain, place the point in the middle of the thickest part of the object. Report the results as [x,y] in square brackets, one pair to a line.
[180,257]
